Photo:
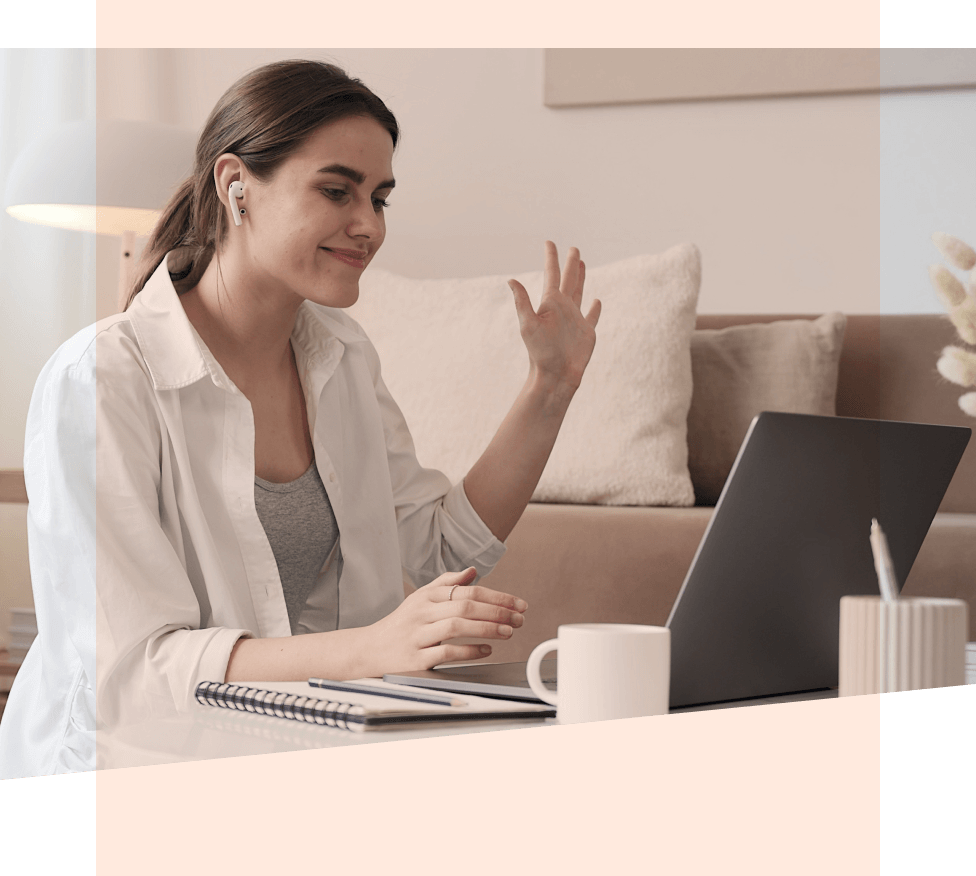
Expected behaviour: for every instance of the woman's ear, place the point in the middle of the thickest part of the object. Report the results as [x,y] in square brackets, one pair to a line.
[228,168]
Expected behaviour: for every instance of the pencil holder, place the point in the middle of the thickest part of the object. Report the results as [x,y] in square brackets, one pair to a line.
[901,644]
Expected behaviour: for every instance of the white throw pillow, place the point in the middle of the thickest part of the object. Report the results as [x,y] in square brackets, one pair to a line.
[454,361]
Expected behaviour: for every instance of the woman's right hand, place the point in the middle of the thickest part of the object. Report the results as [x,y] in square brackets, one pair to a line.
[413,636]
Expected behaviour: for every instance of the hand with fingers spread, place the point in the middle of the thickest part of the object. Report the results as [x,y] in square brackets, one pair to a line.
[558,337]
[413,636]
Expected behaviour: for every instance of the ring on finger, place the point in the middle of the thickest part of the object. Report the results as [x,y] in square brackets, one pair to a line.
[450,596]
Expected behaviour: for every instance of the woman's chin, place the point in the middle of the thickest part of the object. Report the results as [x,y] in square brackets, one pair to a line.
[345,296]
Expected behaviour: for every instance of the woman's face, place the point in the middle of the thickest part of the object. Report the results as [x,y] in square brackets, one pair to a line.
[315,225]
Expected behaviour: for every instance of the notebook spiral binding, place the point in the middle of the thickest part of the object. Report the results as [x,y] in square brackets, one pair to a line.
[326,713]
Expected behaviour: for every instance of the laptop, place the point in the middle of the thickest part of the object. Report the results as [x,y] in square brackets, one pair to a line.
[758,613]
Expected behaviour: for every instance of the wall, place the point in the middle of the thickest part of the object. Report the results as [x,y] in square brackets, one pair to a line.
[928,184]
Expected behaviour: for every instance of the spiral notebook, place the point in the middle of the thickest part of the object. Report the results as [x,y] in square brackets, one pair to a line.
[299,701]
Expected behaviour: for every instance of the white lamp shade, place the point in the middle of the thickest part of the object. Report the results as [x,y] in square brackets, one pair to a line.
[109,176]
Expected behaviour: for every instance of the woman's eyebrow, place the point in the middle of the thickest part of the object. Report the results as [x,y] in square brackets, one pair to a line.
[356,176]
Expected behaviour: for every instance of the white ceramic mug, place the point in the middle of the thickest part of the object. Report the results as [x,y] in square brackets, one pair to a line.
[905,644]
[606,671]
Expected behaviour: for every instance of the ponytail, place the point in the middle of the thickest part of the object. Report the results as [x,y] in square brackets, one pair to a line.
[175,228]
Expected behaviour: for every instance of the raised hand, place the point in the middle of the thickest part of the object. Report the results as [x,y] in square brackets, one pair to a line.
[559,339]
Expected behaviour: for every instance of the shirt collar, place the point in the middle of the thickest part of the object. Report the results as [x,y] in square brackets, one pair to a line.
[177,356]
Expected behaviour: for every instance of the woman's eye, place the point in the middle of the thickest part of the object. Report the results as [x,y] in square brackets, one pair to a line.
[380,204]
[335,194]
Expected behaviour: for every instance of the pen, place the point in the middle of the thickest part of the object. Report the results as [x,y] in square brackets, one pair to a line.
[883,564]
[889,593]
[352,687]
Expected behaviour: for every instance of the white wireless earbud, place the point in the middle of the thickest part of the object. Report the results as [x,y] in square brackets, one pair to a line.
[236,191]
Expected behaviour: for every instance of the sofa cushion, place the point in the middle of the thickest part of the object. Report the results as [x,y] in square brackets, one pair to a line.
[789,365]
[454,361]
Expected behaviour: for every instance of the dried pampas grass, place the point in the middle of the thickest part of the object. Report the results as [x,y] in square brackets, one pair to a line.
[960,255]
[957,364]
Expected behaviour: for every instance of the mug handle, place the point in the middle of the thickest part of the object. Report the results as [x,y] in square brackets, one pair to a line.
[533,675]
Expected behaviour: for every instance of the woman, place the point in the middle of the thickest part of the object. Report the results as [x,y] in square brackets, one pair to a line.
[220,468]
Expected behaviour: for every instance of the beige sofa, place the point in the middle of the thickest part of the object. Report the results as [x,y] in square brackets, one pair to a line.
[576,563]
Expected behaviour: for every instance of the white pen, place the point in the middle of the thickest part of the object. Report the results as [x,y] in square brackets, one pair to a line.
[889,566]
[883,564]
[353,687]
[889,592]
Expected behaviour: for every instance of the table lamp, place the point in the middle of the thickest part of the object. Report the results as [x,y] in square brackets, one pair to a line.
[109,176]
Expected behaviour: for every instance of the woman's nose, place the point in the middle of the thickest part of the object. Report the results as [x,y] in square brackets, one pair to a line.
[366,221]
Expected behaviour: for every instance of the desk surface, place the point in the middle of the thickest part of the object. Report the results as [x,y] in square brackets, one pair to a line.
[208,733]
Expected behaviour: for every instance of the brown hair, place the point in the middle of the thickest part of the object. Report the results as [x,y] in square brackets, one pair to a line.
[262,119]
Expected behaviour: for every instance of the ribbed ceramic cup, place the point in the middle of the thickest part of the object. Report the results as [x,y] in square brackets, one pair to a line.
[606,671]
[905,644]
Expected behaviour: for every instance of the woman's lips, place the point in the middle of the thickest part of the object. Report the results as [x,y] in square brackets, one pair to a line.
[349,257]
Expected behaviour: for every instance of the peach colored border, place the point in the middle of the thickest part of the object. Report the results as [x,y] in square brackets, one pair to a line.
[509,23]
[749,786]
[773,789]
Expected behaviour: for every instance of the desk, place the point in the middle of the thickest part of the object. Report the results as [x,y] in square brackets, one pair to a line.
[207,733]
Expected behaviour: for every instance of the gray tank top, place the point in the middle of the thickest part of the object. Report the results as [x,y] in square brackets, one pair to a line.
[301,527]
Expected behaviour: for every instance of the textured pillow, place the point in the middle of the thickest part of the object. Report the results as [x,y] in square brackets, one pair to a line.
[454,361]
[788,365]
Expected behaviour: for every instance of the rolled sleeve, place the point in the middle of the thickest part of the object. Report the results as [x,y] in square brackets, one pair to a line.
[468,534]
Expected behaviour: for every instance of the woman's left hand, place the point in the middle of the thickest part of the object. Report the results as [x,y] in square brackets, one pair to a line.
[558,337]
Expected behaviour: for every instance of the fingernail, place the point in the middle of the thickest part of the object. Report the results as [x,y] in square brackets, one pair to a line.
[517,620]
[485,649]
[505,630]
[521,605]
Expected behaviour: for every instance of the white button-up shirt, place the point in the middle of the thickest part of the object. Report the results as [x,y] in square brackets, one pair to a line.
[148,560]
